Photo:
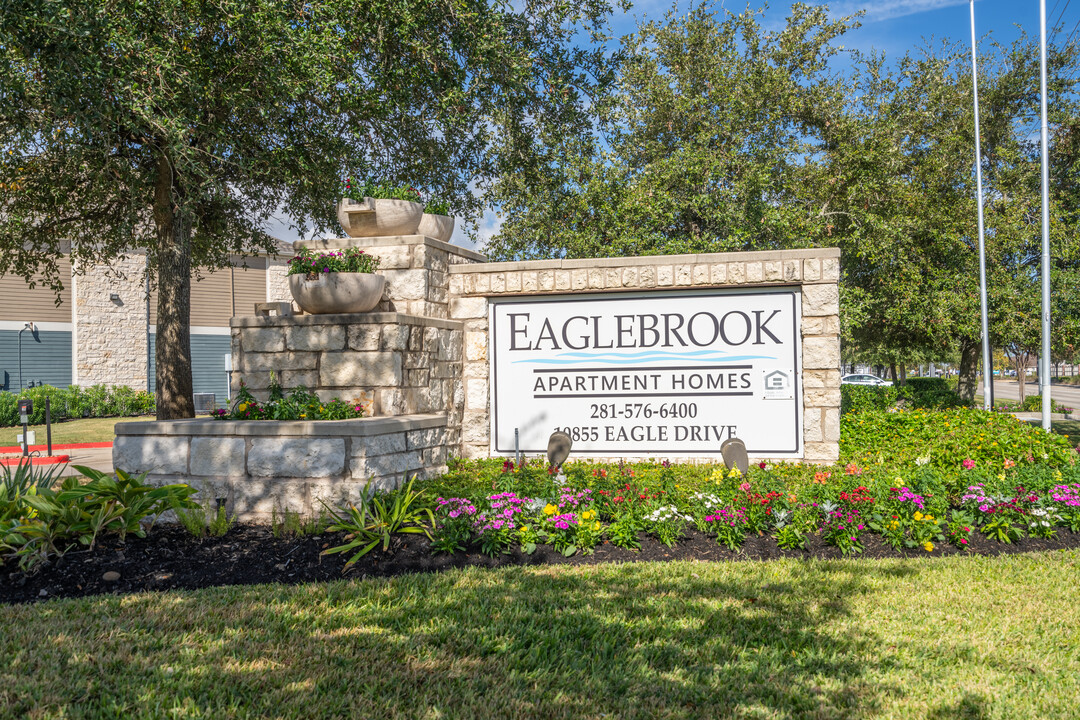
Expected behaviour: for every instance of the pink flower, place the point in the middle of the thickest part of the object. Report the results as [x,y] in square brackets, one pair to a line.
[968,464]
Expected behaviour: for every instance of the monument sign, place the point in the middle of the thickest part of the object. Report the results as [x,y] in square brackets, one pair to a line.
[670,372]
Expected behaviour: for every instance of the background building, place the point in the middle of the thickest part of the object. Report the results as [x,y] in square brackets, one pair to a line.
[102,331]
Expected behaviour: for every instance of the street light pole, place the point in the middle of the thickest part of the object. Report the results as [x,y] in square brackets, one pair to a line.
[988,378]
[1044,363]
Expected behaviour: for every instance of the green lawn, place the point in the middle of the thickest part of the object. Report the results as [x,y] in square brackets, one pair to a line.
[71,431]
[927,638]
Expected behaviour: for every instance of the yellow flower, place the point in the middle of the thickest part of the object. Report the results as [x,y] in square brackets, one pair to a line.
[734,473]
[928,546]
[928,517]
[242,407]
[918,515]
[596,526]
[523,529]
[550,509]
[588,515]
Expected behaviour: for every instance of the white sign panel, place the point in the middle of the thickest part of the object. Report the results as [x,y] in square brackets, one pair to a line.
[668,373]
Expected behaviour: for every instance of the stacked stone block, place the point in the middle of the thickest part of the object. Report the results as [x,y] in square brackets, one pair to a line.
[259,466]
[392,364]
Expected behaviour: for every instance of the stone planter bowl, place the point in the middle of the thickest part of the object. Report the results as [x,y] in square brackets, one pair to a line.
[373,217]
[440,227]
[337,292]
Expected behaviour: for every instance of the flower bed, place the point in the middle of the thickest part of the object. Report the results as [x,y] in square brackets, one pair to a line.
[919,508]
[495,511]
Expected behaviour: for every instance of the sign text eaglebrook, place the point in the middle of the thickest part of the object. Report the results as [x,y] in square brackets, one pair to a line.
[701,329]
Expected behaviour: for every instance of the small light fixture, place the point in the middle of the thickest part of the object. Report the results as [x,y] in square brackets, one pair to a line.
[115,297]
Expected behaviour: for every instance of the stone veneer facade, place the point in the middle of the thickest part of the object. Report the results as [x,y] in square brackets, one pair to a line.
[260,465]
[110,339]
[817,271]
[392,364]
[422,357]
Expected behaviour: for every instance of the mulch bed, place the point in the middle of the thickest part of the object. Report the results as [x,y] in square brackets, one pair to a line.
[170,558]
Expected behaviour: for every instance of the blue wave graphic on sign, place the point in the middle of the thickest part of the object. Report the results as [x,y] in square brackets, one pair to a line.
[699,356]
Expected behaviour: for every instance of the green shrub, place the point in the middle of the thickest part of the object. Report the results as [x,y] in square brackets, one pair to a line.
[917,393]
[76,402]
[930,394]
[857,398]
[946,438]
[1033,403]
[39,523]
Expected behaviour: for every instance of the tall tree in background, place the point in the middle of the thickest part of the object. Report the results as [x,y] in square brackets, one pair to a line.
[184,126]
[720,135]
[706,143]
[901,166]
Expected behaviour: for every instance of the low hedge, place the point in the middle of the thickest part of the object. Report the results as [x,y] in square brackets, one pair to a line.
[76,402]
[946,438]
[917,393]
[1032,403]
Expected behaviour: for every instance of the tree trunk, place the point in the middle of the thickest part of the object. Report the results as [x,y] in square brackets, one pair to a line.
[1021,375]
[172,356]
[903,374]
[969,369]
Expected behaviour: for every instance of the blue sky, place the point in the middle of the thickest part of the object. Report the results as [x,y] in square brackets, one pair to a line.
[897,26]
[892,26]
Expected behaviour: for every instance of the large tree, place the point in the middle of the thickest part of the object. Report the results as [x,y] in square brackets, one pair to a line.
[183,126]
[707,142]
[722,135]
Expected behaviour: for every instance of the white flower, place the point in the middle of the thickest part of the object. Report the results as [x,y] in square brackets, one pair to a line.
[925,459]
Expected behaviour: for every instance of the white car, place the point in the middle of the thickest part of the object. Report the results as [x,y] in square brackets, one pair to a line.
[864,380]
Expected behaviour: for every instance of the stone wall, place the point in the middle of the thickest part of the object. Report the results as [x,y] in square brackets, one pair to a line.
[277,280]
[258,466]
[110,335]
[416,269]
[817,271]
[392,364]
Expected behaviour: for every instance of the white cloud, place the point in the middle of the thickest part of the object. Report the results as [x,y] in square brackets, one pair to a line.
[889,9]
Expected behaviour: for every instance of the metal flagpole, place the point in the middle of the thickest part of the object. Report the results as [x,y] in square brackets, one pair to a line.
[1044,365]
[988,377]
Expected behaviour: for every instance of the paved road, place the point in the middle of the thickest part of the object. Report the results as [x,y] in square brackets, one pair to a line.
[1010,390]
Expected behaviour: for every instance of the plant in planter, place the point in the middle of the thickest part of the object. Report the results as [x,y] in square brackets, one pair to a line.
[342,281]
[373,209]
[436,222]
[300,404]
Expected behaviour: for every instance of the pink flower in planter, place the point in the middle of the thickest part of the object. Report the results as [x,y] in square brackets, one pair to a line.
[968,464]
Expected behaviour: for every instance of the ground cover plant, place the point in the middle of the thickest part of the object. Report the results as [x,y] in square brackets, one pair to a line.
[784,639]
